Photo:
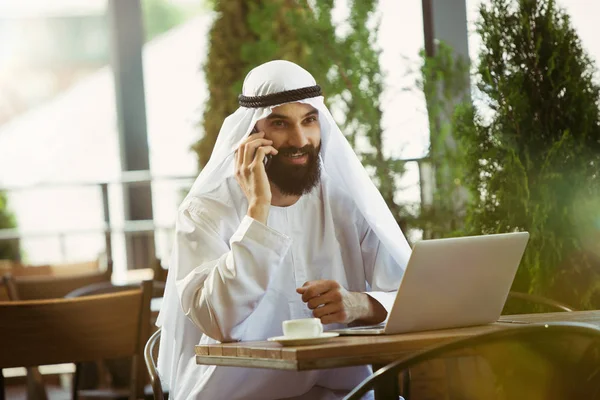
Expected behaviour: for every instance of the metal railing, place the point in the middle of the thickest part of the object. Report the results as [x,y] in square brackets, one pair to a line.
[145,227]
[108,229]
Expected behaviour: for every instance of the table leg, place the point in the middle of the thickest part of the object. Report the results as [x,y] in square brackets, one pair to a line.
[389,387]
[405,385]
[1,385]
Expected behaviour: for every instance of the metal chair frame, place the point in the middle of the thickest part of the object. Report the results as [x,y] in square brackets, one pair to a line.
[149,357]
[385,380]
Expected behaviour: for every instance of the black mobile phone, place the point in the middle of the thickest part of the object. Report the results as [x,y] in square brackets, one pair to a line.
[267,159]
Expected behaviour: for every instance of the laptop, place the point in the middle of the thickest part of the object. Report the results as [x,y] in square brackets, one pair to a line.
[452,283]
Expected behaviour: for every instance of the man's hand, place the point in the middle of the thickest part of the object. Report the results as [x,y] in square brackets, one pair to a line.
[334,304]
[251,175]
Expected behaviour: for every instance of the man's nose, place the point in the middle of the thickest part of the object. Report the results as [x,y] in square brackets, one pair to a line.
[298,138]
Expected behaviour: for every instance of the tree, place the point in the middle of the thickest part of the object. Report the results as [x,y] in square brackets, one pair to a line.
[160,16]
[248,33]
[532,146]
[9,249]
[444,80]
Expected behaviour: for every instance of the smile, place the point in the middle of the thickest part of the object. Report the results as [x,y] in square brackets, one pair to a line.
[298,158]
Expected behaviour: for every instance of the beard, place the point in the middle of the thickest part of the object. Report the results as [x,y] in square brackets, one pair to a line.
[293,179]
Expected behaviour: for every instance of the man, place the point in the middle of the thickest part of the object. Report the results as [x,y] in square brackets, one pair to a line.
[282,223]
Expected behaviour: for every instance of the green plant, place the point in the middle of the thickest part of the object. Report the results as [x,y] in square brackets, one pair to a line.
[532,147]
[162,15]
[9,249]
[444,80]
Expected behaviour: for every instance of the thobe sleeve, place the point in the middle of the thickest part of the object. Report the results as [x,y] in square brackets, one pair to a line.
[219,283]
[381,270]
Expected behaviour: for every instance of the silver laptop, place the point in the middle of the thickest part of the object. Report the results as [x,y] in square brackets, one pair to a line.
[450,283]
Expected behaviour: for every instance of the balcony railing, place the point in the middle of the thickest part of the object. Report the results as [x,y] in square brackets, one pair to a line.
[108,228]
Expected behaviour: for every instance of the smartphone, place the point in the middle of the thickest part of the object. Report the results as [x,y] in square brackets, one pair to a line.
[267,159]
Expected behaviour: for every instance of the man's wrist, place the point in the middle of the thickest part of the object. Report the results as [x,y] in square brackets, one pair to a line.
[259,212]
[374,313]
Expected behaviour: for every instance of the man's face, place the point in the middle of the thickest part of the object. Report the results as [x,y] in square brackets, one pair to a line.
[296,133]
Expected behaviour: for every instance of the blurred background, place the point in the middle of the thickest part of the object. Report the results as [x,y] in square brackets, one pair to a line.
[472,117]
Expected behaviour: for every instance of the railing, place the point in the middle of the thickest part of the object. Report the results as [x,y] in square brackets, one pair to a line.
[146,227]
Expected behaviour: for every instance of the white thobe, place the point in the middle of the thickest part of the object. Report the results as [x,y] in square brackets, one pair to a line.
[237,280]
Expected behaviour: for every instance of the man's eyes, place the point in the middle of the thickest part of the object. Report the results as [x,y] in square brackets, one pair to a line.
[278,123]
[283,124]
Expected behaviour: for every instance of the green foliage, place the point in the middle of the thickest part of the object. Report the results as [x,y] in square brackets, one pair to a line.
[445,82]
[248,33]
[532,147]
[160,16]
[9,250]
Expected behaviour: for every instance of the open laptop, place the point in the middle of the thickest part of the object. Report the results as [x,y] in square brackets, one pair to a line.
[451,283]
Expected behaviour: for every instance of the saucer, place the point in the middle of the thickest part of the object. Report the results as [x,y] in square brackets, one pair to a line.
[300,341]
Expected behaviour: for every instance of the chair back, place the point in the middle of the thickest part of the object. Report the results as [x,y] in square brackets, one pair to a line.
[53,287]
[16,268]
[158,289]
[534,362]
[150,357]
[160,273]
[40,332]
[84,267]
[547,304]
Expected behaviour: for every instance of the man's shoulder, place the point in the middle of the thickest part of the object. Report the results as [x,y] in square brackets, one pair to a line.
[341,202]
[333,191]
[223,199]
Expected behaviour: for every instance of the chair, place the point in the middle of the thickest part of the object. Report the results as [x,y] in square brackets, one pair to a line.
[114,368]
[160,273]
[83,267]
[513,296]
[41,332]
[538,361]
[158,289]
[150,356]
[552,305]
[38,287]
[17,268]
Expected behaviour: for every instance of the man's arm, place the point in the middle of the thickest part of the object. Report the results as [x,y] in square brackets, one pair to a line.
[334,304]
[218,295]
[219,285]
[383,273]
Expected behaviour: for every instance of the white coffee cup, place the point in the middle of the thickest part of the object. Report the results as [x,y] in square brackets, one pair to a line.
[302,328]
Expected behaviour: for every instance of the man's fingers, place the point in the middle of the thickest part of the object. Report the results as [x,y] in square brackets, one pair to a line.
[261,153]
[330,308]
[338,317]
[331,296]
[316,288]
[327,309]
[250,149]
[303,288]
[239,153]
[253,136]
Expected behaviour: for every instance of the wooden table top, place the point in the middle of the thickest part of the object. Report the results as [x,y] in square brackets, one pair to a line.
[347,351]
